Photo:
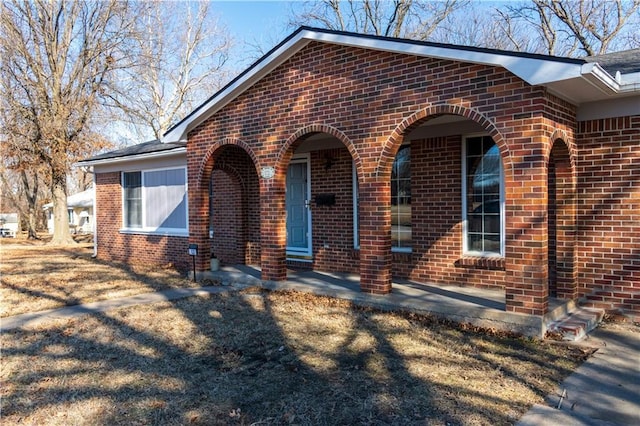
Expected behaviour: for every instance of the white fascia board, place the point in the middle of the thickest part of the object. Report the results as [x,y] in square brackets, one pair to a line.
[130,158]
[533,70]
[632,78]
[609,108]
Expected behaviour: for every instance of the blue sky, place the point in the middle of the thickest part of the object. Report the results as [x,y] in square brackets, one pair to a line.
[252,17]
[255,22]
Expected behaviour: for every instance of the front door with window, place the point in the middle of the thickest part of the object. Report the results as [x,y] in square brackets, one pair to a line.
[297,205]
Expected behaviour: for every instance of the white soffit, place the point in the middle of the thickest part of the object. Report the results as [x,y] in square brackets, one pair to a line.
[575,81]
[131,158]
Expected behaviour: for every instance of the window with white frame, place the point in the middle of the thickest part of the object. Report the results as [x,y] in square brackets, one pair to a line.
[155,200]
[483,197]
[132,197]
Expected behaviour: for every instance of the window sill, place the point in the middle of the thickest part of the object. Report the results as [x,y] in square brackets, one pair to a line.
[159,232]
[494,263]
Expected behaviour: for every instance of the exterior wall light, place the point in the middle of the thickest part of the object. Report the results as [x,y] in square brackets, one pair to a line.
[193,252]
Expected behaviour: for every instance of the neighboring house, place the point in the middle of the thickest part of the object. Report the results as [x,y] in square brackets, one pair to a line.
[9,224]
[386,157]
[80,210]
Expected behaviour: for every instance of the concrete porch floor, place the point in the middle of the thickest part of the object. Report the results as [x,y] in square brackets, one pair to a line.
[480,307]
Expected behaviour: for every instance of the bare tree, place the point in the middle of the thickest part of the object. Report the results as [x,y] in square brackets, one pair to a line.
[571,28]
[21,190]
[179,64]
[415,19]
[580,27]
[56,57]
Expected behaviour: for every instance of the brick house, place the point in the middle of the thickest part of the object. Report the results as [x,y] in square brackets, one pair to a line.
[390,158]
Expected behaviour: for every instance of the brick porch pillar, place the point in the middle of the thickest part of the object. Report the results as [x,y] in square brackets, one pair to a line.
[199,221]
[526,260]
[375,236]
[273,234]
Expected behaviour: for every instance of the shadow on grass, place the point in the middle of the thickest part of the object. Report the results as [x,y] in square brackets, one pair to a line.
[74,277]
[238,359]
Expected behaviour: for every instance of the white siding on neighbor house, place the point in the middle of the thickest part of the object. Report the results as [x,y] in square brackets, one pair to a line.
[9,224]
[80,211]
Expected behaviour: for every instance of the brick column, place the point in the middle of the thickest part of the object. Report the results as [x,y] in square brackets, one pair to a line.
[526,230]
[273,234]
[199,223]
[375,236]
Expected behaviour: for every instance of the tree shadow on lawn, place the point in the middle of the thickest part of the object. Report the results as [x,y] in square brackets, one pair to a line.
[66,282]
[226,359]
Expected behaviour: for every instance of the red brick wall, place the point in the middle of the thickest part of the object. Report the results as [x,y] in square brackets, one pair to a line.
[332,230]
[227,218]
[236,217]
[609,213]
[370,100]
[436,206]
[131,248]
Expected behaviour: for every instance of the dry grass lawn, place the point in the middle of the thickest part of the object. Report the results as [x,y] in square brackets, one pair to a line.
[35,277]
[253,357]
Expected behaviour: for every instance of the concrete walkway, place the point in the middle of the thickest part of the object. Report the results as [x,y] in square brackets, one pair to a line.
[605,390]
[35,318]
[480,307]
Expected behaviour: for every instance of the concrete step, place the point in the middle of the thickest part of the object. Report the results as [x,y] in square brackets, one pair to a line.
[575,325]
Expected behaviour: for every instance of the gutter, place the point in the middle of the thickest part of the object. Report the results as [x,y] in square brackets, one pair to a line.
[134,157]
[94,223]
[594,74]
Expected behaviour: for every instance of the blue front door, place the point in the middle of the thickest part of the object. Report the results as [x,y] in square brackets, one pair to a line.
[297,205]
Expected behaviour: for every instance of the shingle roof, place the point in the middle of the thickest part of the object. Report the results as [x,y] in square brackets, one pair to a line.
[80,199]
[626,61]
[142,148]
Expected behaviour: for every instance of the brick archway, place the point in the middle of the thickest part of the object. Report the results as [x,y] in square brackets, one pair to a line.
[392,144]
[273,198]
[377,265]
[199,197]
[207,162]
[285,153]
[561,218]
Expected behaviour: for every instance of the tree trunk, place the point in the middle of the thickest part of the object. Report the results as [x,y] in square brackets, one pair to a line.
[32,224]
[61,234]
[31,194]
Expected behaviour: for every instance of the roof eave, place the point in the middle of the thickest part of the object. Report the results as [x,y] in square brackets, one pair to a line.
[136,157]
[536,70]
[263,67]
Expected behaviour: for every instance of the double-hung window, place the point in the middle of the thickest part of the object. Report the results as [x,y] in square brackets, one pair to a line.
[483,197]
[155,201]
[132,187]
